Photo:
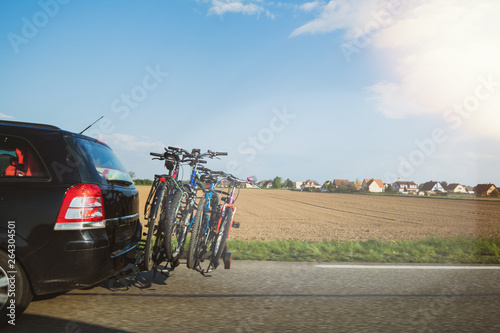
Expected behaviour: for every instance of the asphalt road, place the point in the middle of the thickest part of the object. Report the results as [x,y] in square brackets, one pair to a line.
[278,297]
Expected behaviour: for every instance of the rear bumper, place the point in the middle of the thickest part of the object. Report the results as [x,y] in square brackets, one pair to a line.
[82,262]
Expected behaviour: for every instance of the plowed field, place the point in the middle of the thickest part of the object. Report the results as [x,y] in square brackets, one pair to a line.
[272,215]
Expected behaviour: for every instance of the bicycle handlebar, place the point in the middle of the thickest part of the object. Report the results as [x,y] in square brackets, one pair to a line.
[177,150]
[190,160]
[156,154]
[211,172]
[235,179]
[213,154]
[185,156]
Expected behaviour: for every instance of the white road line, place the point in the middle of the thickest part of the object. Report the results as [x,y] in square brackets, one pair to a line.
[405,267]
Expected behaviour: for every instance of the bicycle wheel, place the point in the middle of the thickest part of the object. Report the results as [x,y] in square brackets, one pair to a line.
[173,226]
[215,209]
[221,239]
[197,234]
[150,199]
[158,248]
[155,209]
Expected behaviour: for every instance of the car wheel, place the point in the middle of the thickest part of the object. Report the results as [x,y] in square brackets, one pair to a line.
[15,292]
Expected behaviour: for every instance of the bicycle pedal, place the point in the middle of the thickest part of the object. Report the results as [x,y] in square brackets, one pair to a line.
[236,224]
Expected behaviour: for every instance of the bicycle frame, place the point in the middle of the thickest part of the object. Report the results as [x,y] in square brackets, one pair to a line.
[154,189]
[230,205]
[193,188]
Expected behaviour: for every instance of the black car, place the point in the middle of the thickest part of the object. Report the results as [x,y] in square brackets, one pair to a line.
[69,213]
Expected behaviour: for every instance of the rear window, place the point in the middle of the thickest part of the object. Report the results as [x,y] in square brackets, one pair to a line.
[19,160]
[104,160]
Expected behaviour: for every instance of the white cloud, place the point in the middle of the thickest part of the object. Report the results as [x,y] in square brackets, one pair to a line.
[310,6]
[4,116]
[350,15]
[220,7]
[434,54]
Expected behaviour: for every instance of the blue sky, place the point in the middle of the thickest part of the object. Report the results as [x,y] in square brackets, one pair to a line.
[296,89]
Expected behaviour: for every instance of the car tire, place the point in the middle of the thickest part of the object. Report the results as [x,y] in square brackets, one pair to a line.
[18,293]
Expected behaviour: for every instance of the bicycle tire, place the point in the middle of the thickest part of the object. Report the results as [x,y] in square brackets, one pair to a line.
[173,227]
[152,192]
[197,233]
[221,239]
[215,209]
[148,248]
[158,247]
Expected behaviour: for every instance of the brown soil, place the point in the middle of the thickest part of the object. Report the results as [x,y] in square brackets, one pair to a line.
[272,215]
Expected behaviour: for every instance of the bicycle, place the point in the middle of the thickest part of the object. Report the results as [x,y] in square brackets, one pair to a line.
[219,228]
[180,218]
[204,227]
[164,193]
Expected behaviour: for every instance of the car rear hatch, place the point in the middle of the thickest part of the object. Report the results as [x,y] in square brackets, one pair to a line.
[120,199]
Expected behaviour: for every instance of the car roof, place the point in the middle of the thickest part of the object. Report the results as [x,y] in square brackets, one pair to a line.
[25,124]
[48,127]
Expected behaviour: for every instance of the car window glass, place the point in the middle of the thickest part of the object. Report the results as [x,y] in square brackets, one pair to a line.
[104,160]
[18,159]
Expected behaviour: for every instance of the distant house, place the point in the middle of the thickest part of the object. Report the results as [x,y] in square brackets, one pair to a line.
[405,187]
[325,186]
[267,184]
[358,184]
[485,189]
[456,188]
[430,188]
[373,185]
[223,183]
[338,182]
[310,183]
[470,189]
[297,185]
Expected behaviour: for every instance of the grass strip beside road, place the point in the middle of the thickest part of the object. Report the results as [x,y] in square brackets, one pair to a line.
[460,249]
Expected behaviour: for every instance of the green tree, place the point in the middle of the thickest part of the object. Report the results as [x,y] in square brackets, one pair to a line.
[288,183]
[342,188]
[277,182]
[143,182]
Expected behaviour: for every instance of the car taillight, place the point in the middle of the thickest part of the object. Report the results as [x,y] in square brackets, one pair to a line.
[82,208]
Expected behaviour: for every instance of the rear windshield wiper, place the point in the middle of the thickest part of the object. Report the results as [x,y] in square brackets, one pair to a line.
[120,182]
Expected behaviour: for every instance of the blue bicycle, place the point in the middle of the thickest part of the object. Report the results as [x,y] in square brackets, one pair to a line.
[204,228]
